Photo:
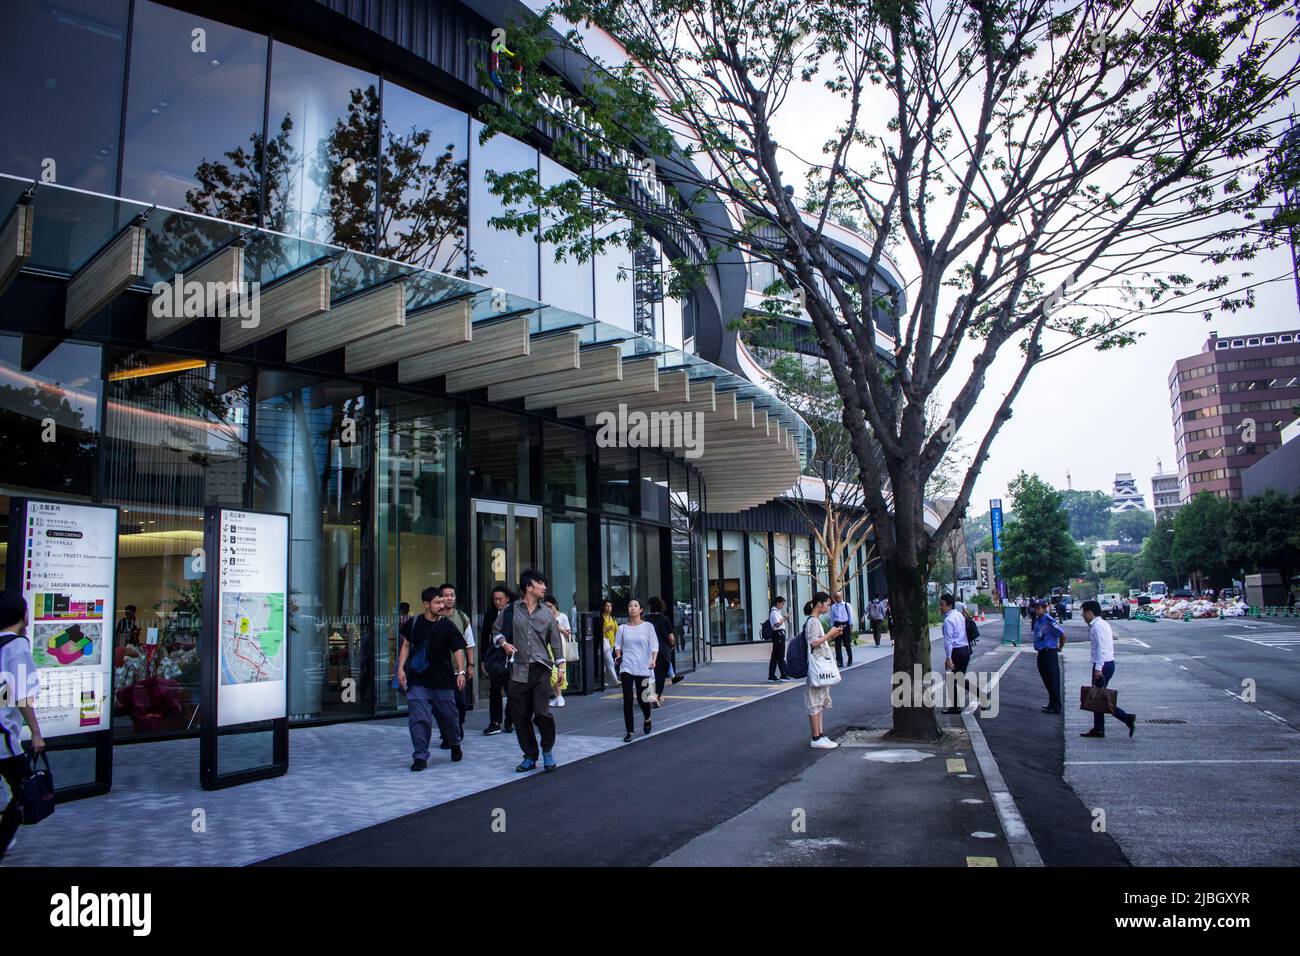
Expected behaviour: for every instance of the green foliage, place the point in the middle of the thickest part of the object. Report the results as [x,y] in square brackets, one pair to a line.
[1155,563]
[1037,547]
[1122,568]
[1200,529]
[1132,525]
[983,600]
[1089,513]
[1263,534]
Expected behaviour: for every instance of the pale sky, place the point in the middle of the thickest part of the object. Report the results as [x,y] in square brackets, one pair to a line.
[1090,413]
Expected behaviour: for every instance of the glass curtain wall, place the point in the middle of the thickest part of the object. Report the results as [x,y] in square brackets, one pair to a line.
[781,566]
[760,598]
[322,148]
[424,198]
[62,60]
[507,260]
[567,283]
[194,114]
[175,440]
[312,460]
[617,554]
[417,452]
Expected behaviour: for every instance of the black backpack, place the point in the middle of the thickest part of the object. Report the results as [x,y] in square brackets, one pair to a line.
[796,656]
[495,659]
[766,630]
[972,632]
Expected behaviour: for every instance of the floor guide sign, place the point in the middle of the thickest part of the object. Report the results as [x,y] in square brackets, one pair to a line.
[69,571]
[252,618]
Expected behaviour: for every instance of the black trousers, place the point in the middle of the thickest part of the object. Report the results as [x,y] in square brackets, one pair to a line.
[961,661]
[530,703]
[875,632]
[1049,669]
[632,687]
[661,672]
[778,657]
[844,642]
[498,694]
[464,702]
[14,769]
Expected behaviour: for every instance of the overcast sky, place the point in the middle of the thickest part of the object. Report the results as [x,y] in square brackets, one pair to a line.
[1091,414]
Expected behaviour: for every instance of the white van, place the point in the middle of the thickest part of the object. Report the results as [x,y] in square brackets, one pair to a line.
[1157,590]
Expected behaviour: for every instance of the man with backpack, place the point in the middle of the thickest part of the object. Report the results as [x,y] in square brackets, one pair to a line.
[464,698]
[431,670]
[876,615]
[19,685]
[956,645]
[774,631]
[842,617]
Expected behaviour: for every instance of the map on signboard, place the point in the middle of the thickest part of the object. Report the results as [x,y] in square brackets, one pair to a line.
[66,645]
[251,629]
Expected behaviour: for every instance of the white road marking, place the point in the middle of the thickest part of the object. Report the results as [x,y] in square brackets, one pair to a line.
[1273,716]
[1099,763]
[1138,640]
[1282,643]
[1183,666]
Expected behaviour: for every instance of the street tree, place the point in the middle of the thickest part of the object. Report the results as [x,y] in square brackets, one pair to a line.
[1155,561]
[1263,534]
[1197,550]
[1132,525]
[1089,513]
[1043,171]
[1037,547]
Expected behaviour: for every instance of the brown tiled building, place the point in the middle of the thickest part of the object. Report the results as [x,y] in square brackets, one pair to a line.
[1230,402]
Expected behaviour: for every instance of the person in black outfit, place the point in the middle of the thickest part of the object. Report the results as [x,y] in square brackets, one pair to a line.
[431,692]
[776,621]
[495,668]
[667,639]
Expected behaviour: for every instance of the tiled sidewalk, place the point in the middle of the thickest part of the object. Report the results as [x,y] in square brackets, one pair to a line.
[341,778]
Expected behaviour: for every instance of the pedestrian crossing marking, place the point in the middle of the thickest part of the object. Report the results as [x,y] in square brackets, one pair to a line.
[956,765]
[981,861]
[1282,642]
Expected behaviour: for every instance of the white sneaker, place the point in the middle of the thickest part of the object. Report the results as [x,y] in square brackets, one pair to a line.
[824,743]
[559,700]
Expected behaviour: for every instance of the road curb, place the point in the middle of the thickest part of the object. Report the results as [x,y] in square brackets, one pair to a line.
[1019,840]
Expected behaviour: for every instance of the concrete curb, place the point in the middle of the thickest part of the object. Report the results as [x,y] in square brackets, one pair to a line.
[1019,840]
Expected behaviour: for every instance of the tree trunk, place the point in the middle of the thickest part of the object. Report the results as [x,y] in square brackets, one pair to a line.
[910,632]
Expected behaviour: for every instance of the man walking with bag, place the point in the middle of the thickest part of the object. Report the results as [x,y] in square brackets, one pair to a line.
[1102,639]
[876,615]
[19,685]
[526,630]
[956,646]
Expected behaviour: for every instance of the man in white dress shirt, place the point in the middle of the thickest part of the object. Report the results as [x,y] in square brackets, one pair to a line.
[1102,639]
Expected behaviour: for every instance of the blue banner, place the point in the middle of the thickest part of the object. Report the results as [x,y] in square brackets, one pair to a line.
[995,520]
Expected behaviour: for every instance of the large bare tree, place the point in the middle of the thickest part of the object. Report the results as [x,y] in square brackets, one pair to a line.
[1043,171]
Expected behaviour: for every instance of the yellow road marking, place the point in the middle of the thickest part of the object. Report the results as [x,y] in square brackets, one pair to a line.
[956,765]
[981,861]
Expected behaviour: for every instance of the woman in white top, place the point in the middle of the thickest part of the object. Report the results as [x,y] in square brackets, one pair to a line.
[818,698]
[636,646]
[566,633]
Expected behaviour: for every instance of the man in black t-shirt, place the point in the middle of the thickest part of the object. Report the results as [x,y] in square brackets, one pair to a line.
[435,652]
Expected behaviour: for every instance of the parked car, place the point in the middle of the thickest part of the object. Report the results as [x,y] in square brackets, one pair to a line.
[1182,593]
[1112,605]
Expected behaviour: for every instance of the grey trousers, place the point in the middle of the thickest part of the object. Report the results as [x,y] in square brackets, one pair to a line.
[424,706]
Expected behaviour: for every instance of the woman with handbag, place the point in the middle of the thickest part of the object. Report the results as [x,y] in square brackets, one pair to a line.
[561,680]
[822,672]
[636,647]
[609,627]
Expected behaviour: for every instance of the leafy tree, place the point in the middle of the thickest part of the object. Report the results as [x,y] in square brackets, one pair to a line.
[1155,562]
[1132,525]
[1037,546]
[1008,151]
[1123,568]
[1197,551]
[1089,513]
[1262,534]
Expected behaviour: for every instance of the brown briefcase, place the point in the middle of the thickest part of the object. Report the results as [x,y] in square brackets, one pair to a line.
[1098,700]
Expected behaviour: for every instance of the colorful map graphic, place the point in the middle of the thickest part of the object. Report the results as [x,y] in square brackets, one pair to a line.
[252,637]
[66,645]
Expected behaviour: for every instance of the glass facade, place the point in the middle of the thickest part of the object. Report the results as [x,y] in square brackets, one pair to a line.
[65,60]
[210,167]
[379,481]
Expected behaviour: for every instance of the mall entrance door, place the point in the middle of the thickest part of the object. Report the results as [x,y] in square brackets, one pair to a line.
[507,541]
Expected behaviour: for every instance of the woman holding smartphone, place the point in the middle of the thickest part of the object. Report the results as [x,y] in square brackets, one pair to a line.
[636,646]
[819,640]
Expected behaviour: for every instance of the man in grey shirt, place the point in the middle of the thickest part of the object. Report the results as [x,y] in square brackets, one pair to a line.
[532,631]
